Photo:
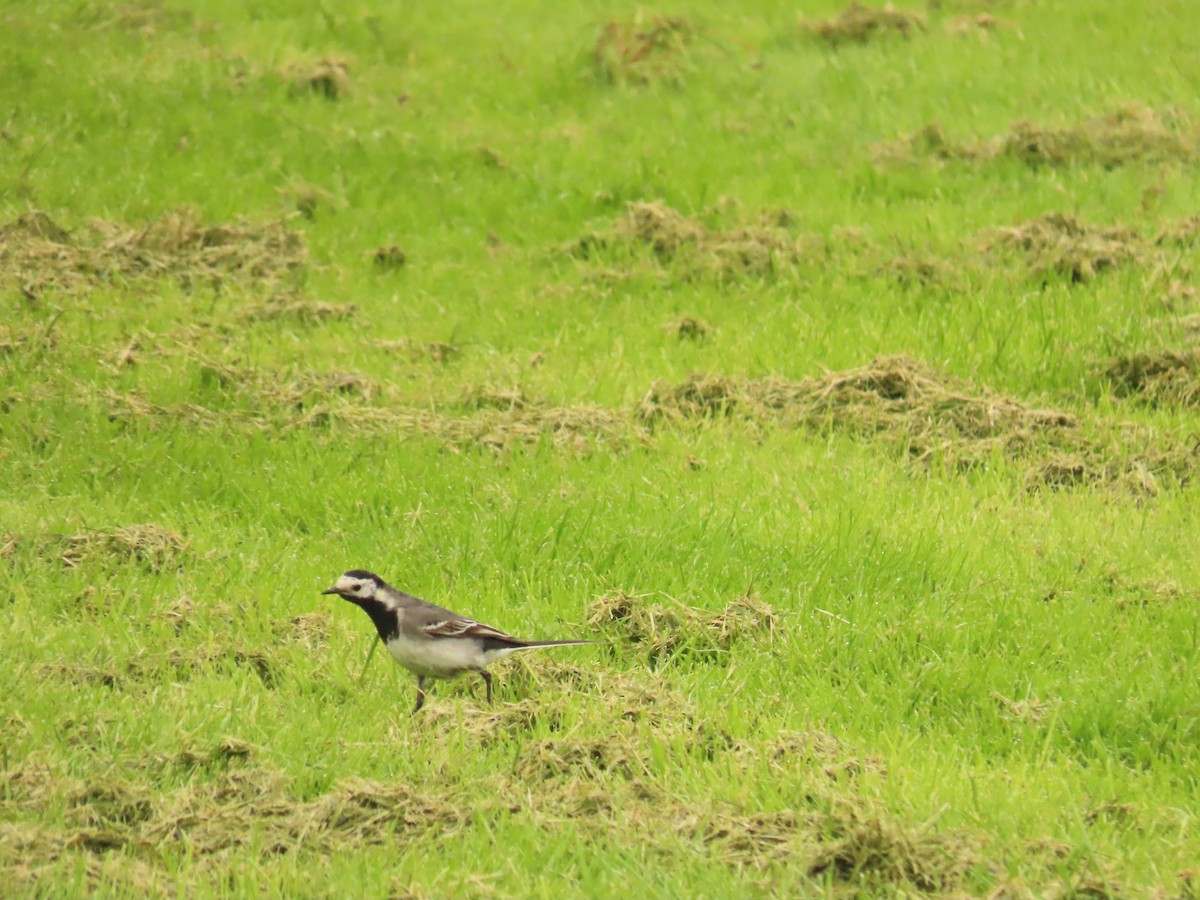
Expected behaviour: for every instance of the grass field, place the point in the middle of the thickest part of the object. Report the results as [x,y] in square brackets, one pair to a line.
[842,374]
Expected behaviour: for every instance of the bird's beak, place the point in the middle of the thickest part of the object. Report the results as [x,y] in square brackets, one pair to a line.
[332,590]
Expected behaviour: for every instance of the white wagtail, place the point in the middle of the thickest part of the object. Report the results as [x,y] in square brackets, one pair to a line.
[429,641]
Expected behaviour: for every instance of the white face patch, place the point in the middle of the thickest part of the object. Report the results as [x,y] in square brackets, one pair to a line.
[357,587]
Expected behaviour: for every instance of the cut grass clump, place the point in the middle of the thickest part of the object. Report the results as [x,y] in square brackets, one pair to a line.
[1060,470]
[256,805]
[1031,710]
[1184,233]
[793,749]
[541,693]
[35,340]
[492,725]
[675,239]
[328,78]
[1053,243]
[980,25]
[936,421]
[673,630]
[215,757]
[435,351]
[298,311]
[859,845]
[892,397]
[1160,378]
[183,663]
[858,24]
[1128,135]
[147,17]
[326,400]
[641,696]
[489,396]
[643,49]
[309,199]
[264,391]
[360,811]
[840,837]
[1062,244]
[36,254]
[154,548]
[145,670]
[310,630]
[589,758]
[1135,594]
[80,674]
[389,258]
[737,840]
[930,142]
[688,328]
[101,803]
[742,618]
[918,270]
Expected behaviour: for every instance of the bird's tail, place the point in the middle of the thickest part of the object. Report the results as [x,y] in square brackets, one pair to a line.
[533,645]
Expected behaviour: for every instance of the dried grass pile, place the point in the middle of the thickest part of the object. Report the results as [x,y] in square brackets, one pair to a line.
[36,254]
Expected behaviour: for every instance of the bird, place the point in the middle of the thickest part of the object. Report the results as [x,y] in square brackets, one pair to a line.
[429,641]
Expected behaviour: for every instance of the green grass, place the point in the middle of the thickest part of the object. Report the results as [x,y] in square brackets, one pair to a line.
[971,686]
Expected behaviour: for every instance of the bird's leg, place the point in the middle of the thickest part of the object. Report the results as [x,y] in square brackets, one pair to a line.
[420,694]
[487,679]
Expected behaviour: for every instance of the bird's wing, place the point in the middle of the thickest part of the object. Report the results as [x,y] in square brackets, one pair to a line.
[466,628]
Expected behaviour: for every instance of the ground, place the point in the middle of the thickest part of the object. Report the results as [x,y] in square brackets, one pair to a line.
[836,367]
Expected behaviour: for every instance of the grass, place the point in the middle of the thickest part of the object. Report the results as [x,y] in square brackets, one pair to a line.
[847,388]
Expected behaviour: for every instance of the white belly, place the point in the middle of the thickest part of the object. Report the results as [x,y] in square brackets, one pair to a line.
[444,658]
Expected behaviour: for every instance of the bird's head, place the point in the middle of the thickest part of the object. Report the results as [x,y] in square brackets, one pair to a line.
[356,585]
